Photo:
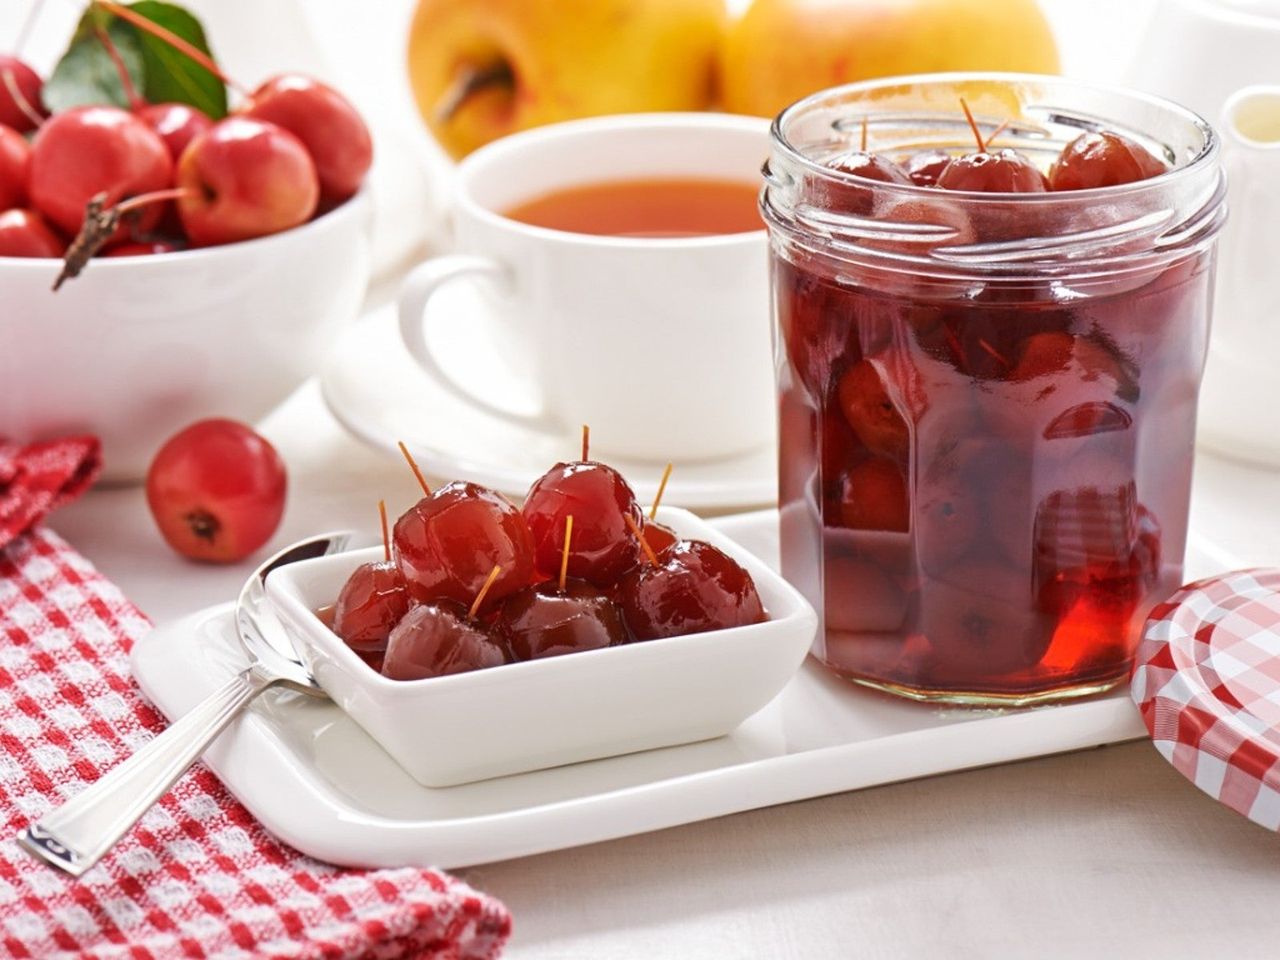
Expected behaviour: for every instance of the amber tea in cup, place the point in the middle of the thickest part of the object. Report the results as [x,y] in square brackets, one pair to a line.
[659,207]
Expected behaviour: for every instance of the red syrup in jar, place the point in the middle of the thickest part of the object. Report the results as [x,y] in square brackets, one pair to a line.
[987,380]
[989,490]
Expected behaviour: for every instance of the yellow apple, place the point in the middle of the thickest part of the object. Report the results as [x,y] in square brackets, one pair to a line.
[481,69]
[782,50]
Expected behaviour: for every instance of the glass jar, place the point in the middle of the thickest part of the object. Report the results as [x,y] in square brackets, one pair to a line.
[987,401]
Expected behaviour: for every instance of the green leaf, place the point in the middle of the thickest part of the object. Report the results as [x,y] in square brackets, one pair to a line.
[170,75]
[86,73]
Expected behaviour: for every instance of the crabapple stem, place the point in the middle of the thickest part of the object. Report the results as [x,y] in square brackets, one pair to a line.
[469,81]
[973,125]
[564,554]
[155,196]
[413,465]
[475,604]
[863,146]
[19,98]
[662,488]
[386,540]
[126,81]
[171,38]
[100,223]
[997,131]
[644,544]
[993,352]
[586,442]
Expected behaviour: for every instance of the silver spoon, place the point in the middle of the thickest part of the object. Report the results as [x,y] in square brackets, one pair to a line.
[78,834]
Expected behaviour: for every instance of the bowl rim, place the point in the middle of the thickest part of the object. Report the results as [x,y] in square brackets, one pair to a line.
[351,207]
[795,612]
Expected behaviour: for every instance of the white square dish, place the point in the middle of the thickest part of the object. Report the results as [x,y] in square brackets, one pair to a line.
[544,713]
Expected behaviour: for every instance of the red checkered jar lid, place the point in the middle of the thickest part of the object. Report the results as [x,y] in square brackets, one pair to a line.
[1207,681]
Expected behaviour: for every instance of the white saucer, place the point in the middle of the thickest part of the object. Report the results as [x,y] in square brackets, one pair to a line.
[378,393]
[316,779]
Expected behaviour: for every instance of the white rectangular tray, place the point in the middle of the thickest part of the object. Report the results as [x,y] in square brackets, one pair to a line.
[317,781]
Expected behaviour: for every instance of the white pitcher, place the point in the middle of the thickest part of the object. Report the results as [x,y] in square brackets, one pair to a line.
[1221,58]
[1240,400]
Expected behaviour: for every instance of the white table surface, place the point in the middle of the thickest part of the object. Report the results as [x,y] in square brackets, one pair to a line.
[1101,853]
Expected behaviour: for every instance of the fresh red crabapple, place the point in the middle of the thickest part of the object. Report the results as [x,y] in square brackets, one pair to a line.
[176,123]
[245,178]
[85,151]
[326,123]
[141,248]
[216,490]
[15,168]
[23,233]
[29,87]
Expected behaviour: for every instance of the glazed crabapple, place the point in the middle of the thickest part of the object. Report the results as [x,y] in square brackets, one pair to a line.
[216,490]
[694,588]
[545,621]
[603,547]
[435,640]
[370,604]
[448,543]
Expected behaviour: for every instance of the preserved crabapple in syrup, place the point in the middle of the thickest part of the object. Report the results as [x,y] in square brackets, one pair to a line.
[1005,171]
[924,168]
[1102,160]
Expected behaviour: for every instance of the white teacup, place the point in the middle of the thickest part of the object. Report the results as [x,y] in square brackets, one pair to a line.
[661,345]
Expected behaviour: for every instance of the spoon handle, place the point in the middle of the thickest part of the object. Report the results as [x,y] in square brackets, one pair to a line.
[77,834]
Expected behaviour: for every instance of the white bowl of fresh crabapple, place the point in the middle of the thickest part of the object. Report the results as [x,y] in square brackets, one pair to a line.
[484,639]
[206,251]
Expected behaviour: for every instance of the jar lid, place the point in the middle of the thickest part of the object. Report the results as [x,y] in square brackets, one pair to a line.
[1207,682]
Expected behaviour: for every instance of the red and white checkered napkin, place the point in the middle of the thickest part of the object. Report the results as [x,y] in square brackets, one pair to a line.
[40,477]
[1207,680]
[198,877]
